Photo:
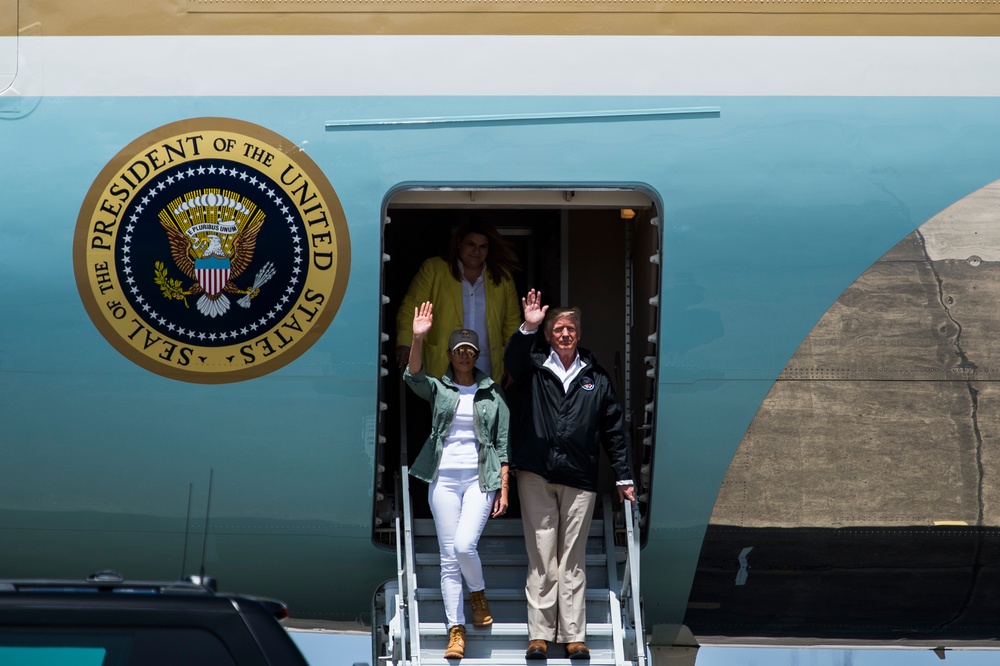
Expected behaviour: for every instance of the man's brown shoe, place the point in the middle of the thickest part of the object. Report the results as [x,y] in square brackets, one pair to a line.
[536,650]
[456,643]
[577,651]
[480,609]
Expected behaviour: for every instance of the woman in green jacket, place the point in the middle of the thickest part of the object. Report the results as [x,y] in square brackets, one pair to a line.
[465,462]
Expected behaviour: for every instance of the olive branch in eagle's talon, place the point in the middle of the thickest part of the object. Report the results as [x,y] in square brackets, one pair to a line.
[170,287]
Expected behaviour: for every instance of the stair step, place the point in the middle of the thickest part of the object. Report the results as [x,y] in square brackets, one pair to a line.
[510,527]
[505,546]
[595,630]
[429,577]
[507,650]
[503,560]
[516,658]
[434,593]
[510,647]
[510,605]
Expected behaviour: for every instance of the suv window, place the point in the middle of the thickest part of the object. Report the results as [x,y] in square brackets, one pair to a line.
[41,655]
[108,621]
[162,645]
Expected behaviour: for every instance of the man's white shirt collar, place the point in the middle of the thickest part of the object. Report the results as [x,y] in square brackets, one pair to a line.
[567,375]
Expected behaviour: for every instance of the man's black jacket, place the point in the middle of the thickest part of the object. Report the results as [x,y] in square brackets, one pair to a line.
[557,434]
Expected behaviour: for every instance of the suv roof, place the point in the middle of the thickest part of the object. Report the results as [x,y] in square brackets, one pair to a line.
[109,621]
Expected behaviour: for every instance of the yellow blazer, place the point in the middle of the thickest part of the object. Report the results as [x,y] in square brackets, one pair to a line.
[435,283]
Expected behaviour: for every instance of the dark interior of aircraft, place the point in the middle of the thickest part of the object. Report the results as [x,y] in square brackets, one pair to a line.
[598,250]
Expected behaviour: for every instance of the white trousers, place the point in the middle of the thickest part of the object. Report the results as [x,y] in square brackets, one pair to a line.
[460,511]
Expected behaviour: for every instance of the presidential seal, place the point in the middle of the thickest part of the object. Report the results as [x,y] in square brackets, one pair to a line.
[211,250]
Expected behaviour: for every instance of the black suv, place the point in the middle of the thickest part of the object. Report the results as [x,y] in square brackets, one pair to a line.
[108,621]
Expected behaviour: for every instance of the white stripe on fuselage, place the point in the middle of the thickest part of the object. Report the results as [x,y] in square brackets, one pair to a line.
[508,65]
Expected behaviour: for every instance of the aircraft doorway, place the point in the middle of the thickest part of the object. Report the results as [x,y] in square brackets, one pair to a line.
[597,249]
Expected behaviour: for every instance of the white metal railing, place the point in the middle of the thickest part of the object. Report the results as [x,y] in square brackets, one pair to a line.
[410,562]
[617,625]
[630,580]
[398,643]
[626,609]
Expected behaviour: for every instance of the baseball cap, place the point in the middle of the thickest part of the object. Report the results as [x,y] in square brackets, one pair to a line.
[463,336]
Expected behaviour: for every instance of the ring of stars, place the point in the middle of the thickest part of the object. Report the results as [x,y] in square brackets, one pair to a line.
[276,196]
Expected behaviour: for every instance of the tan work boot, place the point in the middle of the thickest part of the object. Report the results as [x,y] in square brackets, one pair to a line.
[480,609]
[536,649]
[577,650]
[456,643]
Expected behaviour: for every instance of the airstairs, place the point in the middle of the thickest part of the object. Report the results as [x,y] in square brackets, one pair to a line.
[409,623]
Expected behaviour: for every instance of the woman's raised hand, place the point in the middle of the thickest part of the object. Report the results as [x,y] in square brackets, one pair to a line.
[423,318]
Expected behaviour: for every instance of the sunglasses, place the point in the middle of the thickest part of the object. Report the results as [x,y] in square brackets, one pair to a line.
[465,352]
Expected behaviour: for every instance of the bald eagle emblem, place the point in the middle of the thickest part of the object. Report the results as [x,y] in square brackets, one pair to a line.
[212,235]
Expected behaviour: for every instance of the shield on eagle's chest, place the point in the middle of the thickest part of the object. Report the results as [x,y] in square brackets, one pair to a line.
[212,274]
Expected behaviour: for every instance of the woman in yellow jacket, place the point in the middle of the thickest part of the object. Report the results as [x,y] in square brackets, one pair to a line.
[471,287]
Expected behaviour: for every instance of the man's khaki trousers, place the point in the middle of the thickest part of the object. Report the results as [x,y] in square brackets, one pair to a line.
[556,521]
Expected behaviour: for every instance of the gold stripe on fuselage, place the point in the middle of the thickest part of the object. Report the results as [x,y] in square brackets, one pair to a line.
[509,17]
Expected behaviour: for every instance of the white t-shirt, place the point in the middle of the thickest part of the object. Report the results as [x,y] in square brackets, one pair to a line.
[460,450]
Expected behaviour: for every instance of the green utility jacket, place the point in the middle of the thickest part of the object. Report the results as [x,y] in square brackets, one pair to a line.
[491,421]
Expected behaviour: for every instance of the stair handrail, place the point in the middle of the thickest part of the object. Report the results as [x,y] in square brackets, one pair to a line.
[413,612]
[630,582]
[400,657]
[610,550]
[408,578]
